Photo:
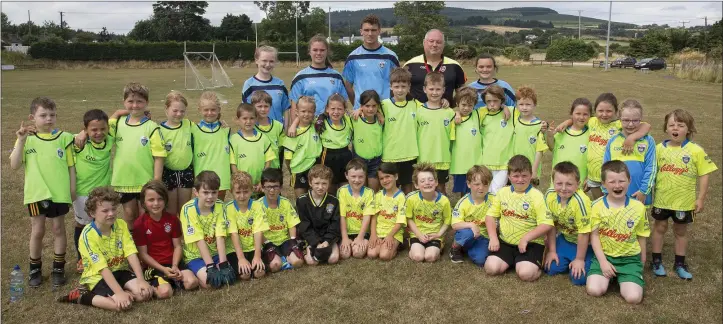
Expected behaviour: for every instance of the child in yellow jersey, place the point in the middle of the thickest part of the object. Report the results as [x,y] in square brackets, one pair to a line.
[112,277]
[367,136]
[282,249]
[435,129]
[247,226]
[302,150]
[603,126]
[571,144]
[497,134]
[529,137]
[273,129]
[524,222]
[681,163]
[211,150]
[568,248]
[467,147]
[251,150]
[468,218]
[428,215]
[320,220]
[619,229]
[356,205]
[335,129]
[399,136]
[47,156]
[388,215]
[178,165]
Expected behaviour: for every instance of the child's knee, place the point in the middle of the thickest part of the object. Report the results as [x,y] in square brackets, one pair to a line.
[275,264]
[297,263]
[632,297]
[680,230]
[495,267]
[386,255]
[190,282]
[164,291]
[528,273]
[333,259]
[373,253]
[345,255]
[260,273]
[431,254]
[245,277]
[661,226]
[595,290]
[359,253]
[416,256]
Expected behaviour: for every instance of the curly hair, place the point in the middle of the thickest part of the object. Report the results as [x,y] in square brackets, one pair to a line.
[99,195]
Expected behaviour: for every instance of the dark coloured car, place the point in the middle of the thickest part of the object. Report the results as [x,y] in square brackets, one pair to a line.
[624,62]
[651,64]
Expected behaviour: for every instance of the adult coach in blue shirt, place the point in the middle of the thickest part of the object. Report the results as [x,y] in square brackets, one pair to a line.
[368,67]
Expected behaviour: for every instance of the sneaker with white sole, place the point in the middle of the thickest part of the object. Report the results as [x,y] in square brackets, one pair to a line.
[455,254]
[682,271]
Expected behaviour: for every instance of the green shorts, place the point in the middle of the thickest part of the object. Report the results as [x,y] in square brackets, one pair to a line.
[629,268]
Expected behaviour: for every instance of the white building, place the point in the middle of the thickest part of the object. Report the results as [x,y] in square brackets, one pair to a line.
[391,40]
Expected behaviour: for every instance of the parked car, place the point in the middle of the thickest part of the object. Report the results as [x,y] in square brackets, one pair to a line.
[651,63]
[624,62]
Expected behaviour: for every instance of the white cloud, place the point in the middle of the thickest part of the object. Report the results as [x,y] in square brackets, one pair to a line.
[120,17]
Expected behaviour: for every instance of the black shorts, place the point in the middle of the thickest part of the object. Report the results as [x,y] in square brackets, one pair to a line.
[336,160]
[121,276]
[48,208]
[300,180]
[405,169]
[232,260]
[128,196]
[372,165]
[281,250]
[679,217]
[435,243]
[443,176]
[354,236]
[152,275]
[178,178]
[511,255]
[249,256]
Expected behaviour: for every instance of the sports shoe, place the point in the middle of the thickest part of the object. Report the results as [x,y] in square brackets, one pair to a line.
[682,271]
[35,278]
[57,277]
[455,253]
[73,296]
[658,269]
[79,267]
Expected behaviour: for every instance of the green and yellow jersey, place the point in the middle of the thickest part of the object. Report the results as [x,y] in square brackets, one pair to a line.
[250,154]
[275,132]
[367,138]
[619,228]
[136,146]
[211,151]
[280,220]
[519,213]
[246,224]
[467,146]
[399,137]
[571,146]
[92,165]
[337,137]
[197,227]
[497,136]
[47,157]
[389,211]
[528,139]
[678,170]
[571,219]
[599,136]
[429,216]
[99,252]
[302,150]
[178,145]
[353,208]
[469,211]
[435,133]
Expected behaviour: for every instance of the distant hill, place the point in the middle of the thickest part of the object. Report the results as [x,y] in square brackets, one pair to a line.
[386,15]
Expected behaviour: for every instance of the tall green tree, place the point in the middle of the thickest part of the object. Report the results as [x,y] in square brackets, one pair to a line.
[235,28]
[144,30]
[314,23]
[415,18]
[181,20]
[280,24]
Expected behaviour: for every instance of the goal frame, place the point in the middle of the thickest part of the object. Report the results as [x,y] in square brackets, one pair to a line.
[210,57]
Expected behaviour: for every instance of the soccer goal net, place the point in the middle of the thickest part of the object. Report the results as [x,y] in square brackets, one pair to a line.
[195,70]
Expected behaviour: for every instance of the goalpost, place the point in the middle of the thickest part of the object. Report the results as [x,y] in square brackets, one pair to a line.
[219,78]
[296,38]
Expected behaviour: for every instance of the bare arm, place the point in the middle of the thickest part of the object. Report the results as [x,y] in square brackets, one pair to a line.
[204,252]
[158,167]
[177,251]
[16,157]
[536,164]
[350,92]
[151,262]
[702,192]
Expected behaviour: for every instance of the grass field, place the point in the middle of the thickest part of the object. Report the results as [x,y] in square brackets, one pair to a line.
[501,29]
[370,291]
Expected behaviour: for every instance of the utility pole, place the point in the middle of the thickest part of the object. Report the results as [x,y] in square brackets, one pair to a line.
[684,22]
[61,20]
[579,23]
[706,22]
[330,24]
[30,30]
[607,42]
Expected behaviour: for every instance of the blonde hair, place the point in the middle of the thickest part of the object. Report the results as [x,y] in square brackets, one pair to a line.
[632,104]
[209,98]
[267,49]
[175,96]
[307,100]
[241,180]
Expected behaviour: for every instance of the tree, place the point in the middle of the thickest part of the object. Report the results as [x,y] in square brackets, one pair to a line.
[235,27]
[104,36]
[181,20]
[679,39]
[314,23]
[569,49]
[280,24]
[85,37]
[654,43]
[144,31]
[414,19]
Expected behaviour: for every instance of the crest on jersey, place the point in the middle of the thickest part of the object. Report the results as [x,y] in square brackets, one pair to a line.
[562,147]
[61,153]
[525,206]
[167,227]
[315,137]
[630,223]
[395,208]
[281,218]
[414,115]
[686,159]
[641,148]
[473,131]
[435,213]
[571,221]
[332,81]
[381,64]
[532,139]
[227,149]
[94,257]
[168,146]
[446,122]
[119,244]
[455,213]
[442,69]
[362,206]
[144,140]
[583,148]
[226,223]
[250,221]
[190,230]
[329,208]
[503,123]
[611,132]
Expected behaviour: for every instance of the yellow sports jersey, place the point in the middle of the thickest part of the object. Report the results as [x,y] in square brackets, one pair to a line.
[619,228]
[519,213]
[100,252]
[429,216]
[246,224]
[678,170]
[354,208]
[197,227]
[469,211]
[389,211]
[280,219]
[573,218]
[599,136]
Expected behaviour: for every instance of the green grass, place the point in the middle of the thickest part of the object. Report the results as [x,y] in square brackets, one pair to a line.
[371,291]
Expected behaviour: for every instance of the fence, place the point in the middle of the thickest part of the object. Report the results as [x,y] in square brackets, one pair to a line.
[557,63]
[601,64]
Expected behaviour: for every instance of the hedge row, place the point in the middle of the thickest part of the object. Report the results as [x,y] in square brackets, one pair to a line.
[244,50]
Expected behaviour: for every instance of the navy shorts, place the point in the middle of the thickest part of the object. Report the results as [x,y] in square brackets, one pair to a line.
[460,183]
[372,165]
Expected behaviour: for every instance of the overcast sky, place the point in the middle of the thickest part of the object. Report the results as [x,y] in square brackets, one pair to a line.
[120,17]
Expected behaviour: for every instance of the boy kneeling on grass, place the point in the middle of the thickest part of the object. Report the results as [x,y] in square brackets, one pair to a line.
[320,219]
[112,274]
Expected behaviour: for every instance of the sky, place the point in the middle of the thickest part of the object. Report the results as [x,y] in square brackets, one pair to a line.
[120,17]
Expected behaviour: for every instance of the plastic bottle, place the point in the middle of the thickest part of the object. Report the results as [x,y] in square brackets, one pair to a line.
[285,265]
[16,284]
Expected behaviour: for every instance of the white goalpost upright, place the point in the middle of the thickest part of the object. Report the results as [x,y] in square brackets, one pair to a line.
[218,79]
[296,37]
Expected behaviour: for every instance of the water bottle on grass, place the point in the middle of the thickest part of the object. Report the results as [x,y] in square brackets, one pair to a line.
[16,284]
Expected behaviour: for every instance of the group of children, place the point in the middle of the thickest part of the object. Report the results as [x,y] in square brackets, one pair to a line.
[363,182]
